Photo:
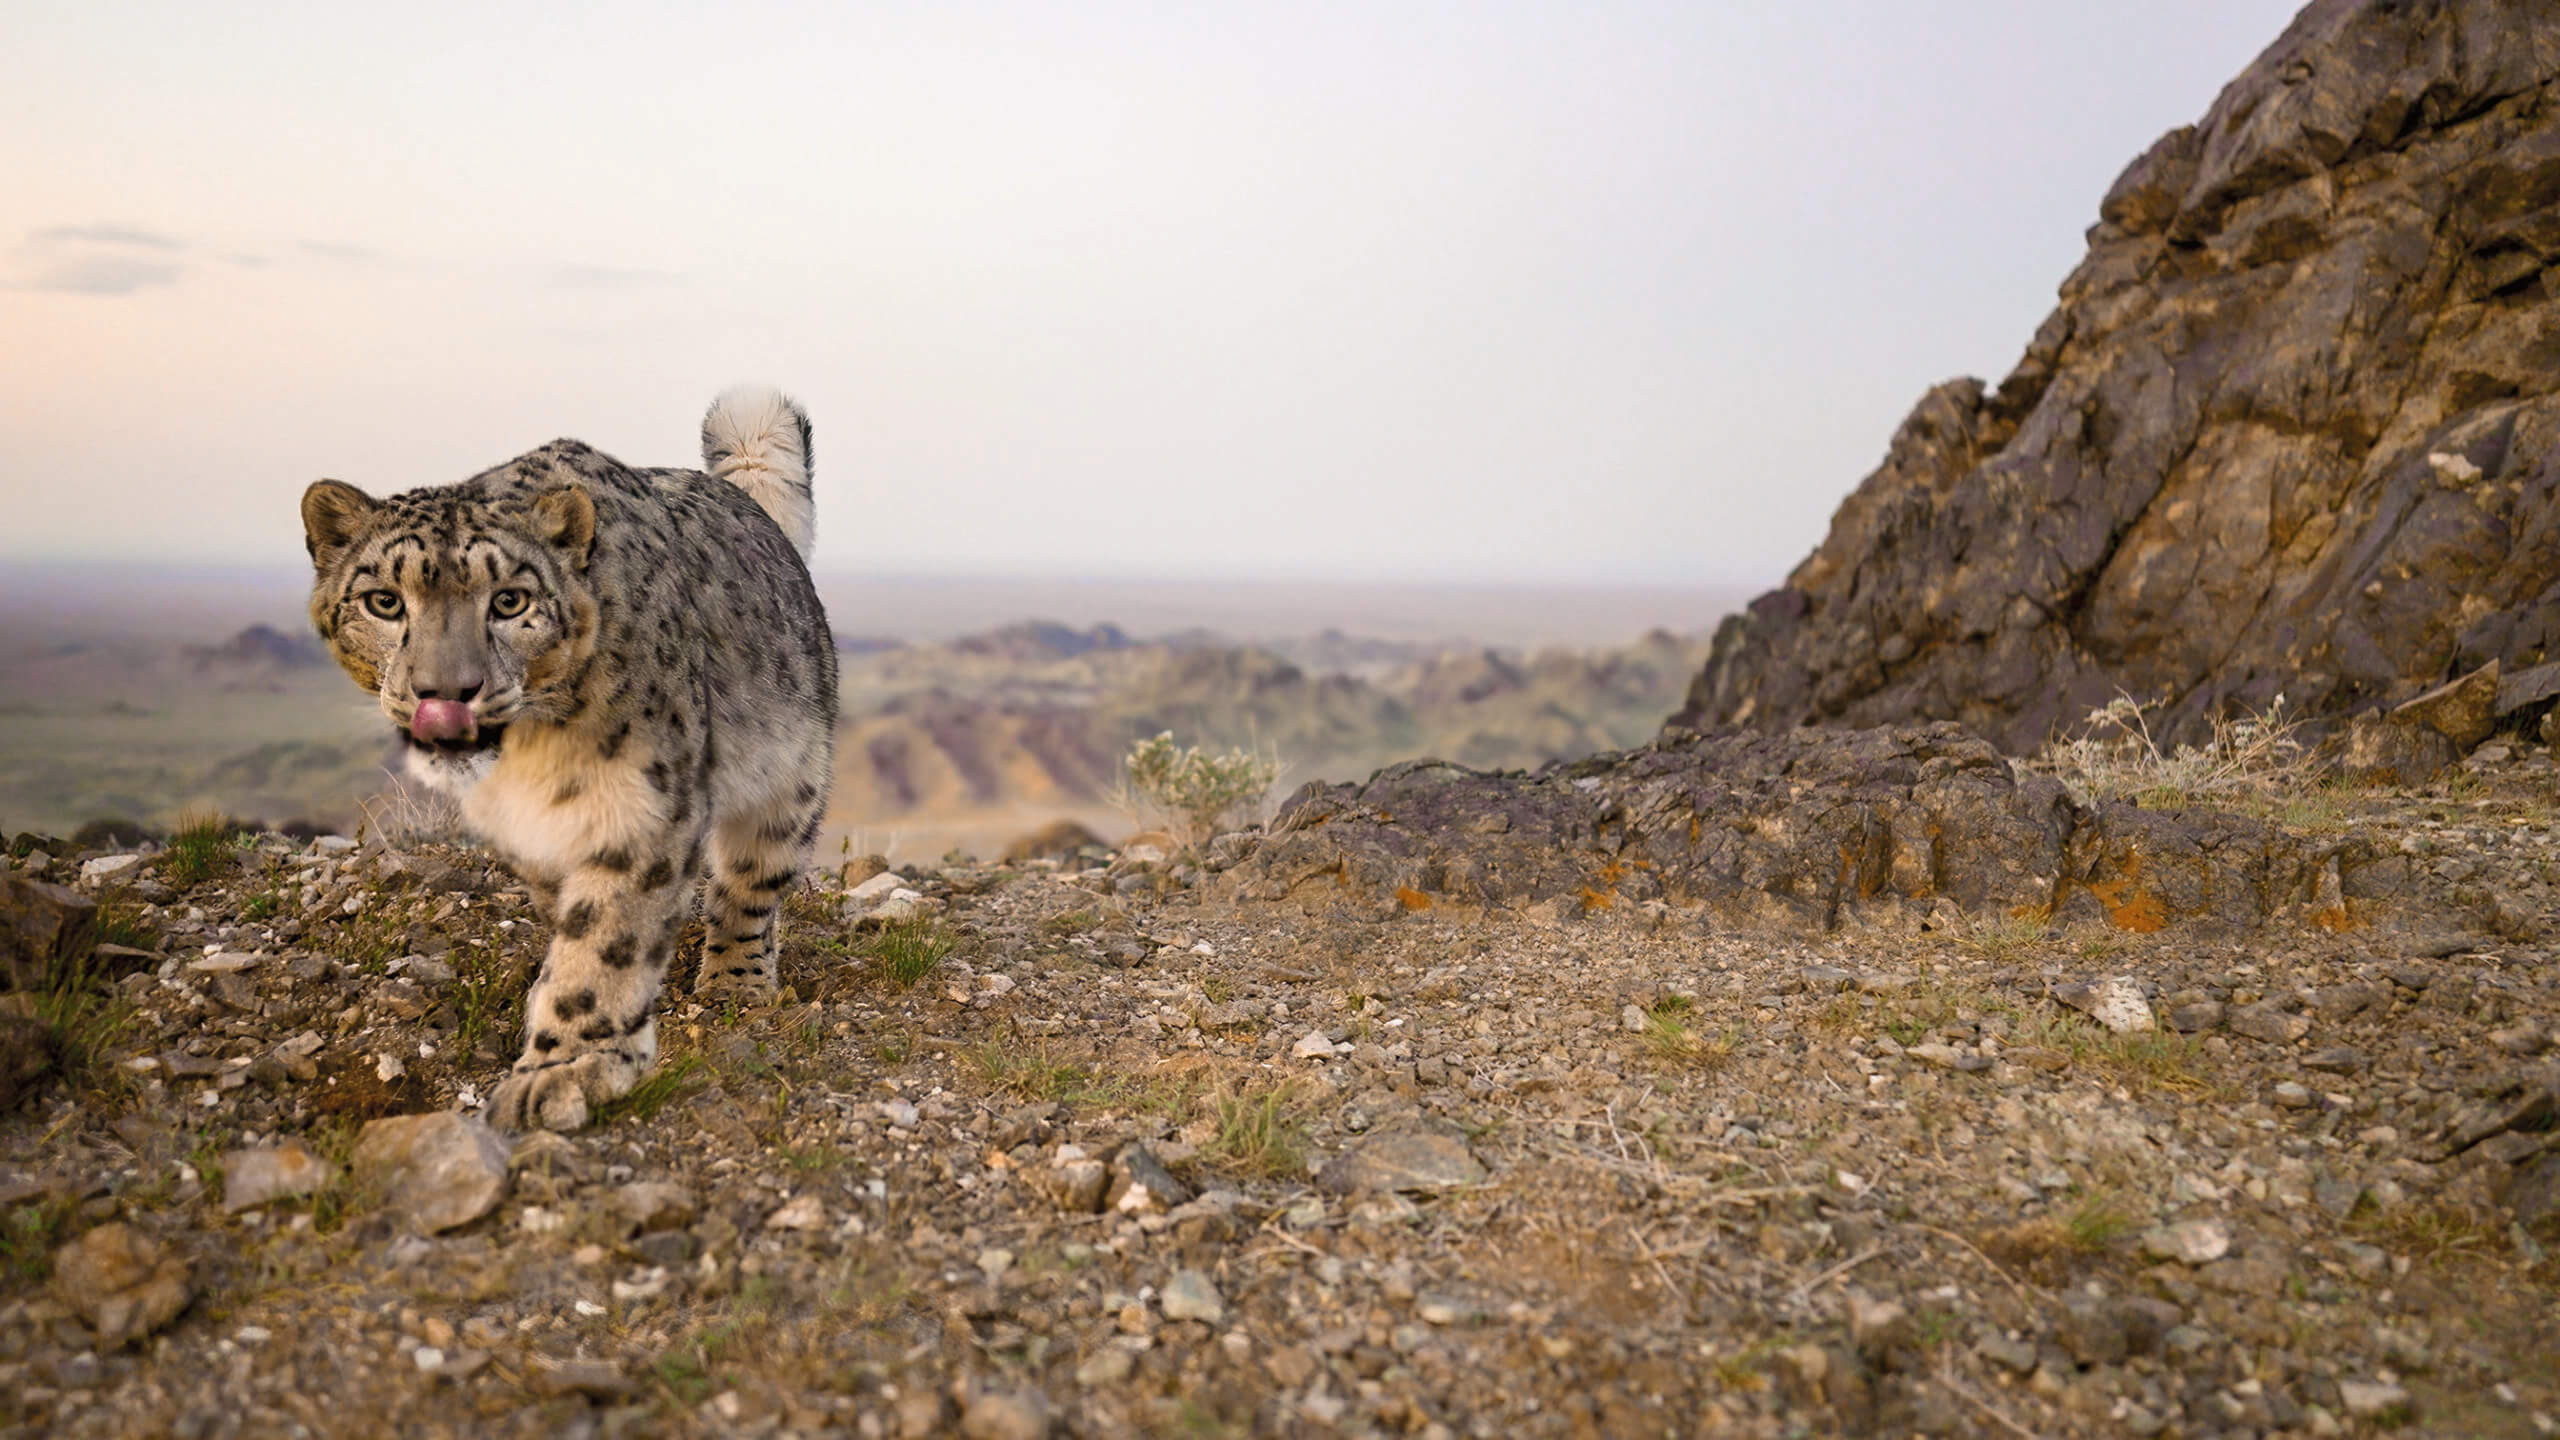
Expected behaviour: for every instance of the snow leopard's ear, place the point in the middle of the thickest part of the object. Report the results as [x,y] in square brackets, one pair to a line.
[566,518]
[334,513]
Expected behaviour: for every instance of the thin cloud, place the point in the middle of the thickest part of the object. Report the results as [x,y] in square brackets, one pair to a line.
[331,250]
[118,235]
[96,259]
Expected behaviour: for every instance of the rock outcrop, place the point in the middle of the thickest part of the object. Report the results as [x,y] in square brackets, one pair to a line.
[2293,428]
[1806,828]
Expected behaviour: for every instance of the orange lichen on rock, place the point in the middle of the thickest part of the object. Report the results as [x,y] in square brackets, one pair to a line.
[1412,899]
[2128,905]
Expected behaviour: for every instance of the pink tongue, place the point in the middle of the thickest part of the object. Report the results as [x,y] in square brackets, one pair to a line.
[442,720]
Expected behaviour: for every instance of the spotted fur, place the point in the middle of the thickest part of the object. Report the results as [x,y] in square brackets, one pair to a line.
[652,687]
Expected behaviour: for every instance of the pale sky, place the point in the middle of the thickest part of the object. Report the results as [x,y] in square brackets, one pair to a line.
[1579,292]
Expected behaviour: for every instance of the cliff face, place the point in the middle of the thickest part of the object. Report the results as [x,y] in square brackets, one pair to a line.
[2295,425]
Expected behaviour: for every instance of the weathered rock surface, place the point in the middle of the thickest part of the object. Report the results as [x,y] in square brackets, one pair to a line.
[43,930]
[2293,427]
[122,1282]
[1807,825]
[436,1170]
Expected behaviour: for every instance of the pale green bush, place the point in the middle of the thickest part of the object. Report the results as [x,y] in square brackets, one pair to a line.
[1194,790]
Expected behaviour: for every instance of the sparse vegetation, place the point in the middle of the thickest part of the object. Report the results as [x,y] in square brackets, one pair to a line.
[1259,1133]
[2097,1221]
[1192,789]
[676,1077]
[201,848]
[1671,1038]
[2248,755]
[906,951]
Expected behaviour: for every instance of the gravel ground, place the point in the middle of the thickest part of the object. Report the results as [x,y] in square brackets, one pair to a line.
[1137,1156]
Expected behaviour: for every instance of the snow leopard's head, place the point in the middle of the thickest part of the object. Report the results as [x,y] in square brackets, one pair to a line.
[462,614]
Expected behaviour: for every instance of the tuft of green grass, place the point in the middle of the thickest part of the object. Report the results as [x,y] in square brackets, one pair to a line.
[83,1019]
[119,923]
[906,951]
[202,847]
[2436,1231]
[1034,1074]
[1259,1133]
[488,997]
[675,1079]
[30,1233]
[1672,1039]
[2098,1222]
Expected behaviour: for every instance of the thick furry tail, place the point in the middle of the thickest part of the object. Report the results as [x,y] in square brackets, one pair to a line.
[757,438]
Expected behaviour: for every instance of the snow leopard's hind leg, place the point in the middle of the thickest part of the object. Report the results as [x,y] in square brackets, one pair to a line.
[755,857]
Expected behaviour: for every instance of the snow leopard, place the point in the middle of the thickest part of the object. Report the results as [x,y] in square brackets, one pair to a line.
[627,681]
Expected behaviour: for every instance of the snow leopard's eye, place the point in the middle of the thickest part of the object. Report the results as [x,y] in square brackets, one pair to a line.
[383,604]
[508,604]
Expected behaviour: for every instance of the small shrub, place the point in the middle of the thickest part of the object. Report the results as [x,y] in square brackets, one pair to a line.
[2115,757]
[1194,790]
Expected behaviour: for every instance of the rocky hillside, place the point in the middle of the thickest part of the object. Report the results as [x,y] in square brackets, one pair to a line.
[2291,428]
[1604,1102]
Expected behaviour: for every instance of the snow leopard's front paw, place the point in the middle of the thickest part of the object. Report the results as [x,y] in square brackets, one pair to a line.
[560,1094]
[745,985]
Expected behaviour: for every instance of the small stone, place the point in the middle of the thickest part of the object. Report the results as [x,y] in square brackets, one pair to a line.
[437,1170]
[1107,1366]
[122,1282]
[2336,1060]
[1190,1295]
[2018,1357]
[2116,1002]
[253,1177]
[878,887]
[1878,1327]
[2092,1330]
[1140,1183]
[228,962]
[2337,1195]
[108,867]
[2196,1017]
[1312,1046]
[2525,1039]
[653,1205]
[1944,1056]
[2367,1399]
[801,1212]
[1632,1020]
[993,1414]
[994,1262]
[1415,1161]
[2267,1022]
[1076,1186]
[2293,1095]
[595,1379]
[1826,979]
[2189,1242]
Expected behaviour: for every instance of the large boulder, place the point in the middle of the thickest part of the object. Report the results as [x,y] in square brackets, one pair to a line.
[1806,828]
[2293,428]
